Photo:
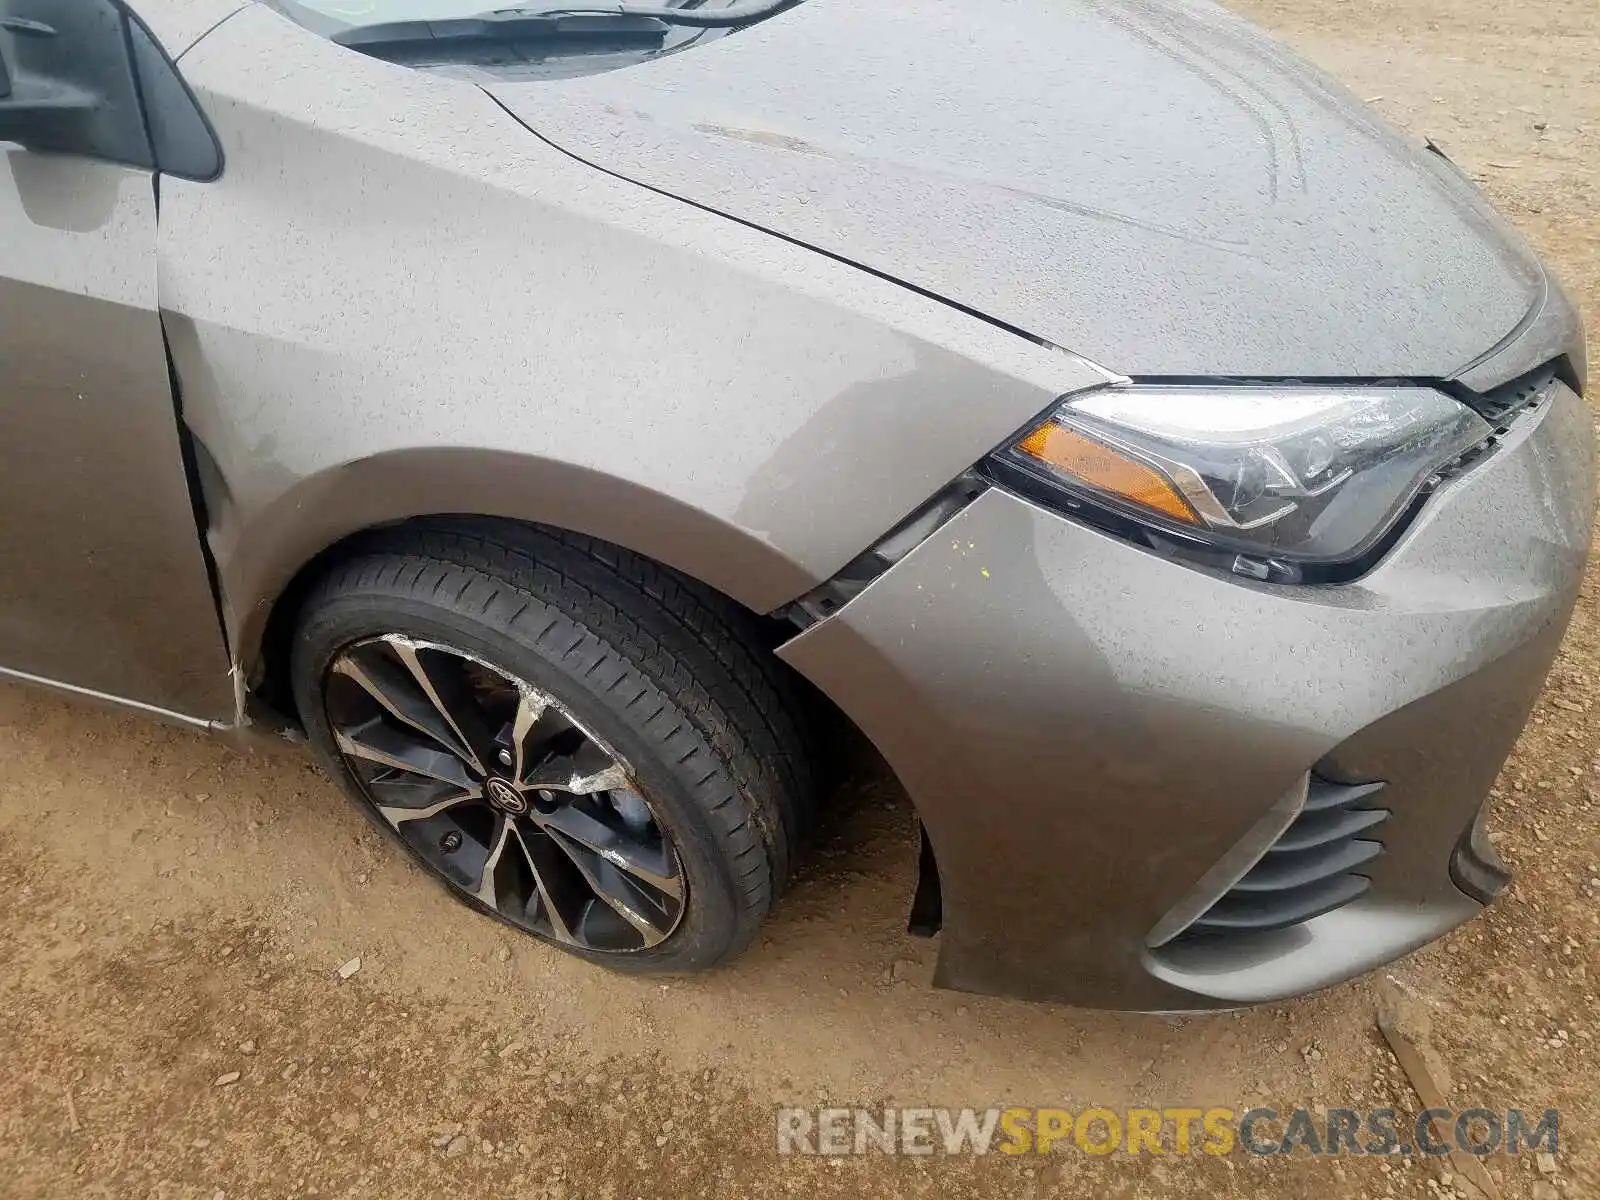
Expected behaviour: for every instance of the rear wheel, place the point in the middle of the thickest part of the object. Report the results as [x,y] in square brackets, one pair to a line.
[573,739]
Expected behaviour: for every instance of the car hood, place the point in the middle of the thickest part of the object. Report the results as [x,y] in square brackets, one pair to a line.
[1152,184]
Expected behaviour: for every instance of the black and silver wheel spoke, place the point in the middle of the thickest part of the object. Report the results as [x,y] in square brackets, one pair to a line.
[448,691]
[531,708]
[496,787]
[583,772]
[619,893]
[398,814]
[559,901]
[381,745]
[656,867]
[488,889]
[400,696]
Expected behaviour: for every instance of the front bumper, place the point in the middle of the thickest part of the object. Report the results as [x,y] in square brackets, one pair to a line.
[1087,729]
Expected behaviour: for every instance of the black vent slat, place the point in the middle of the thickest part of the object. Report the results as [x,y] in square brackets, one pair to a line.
[1330,825]
[1310,870]
[1291,869]
[1504,402]
[1261,911]
[1323,795]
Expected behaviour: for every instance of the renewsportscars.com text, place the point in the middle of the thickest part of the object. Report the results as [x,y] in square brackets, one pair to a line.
[1097,1130]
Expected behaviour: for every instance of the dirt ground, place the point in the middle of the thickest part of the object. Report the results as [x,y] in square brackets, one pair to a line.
[173,911]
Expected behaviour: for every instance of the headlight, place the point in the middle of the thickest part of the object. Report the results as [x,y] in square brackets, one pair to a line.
[1284,475]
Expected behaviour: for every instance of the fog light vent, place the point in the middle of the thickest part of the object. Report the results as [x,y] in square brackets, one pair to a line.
[1312,868]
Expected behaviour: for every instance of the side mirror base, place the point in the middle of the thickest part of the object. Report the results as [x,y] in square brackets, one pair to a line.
[43,114]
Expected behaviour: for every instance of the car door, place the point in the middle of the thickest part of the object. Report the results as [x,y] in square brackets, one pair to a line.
[103,583]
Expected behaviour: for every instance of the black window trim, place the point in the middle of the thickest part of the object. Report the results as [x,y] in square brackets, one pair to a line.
[202,131]
[147,117]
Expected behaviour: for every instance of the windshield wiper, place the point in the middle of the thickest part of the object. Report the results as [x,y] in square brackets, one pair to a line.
[502,29]
[742,12]
[603,22]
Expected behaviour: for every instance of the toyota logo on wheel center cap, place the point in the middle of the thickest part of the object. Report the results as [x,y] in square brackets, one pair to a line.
[503,796]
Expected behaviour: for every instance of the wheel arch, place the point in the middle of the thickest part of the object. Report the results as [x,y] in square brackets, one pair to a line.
[372,502]
[266,564]
[349,518]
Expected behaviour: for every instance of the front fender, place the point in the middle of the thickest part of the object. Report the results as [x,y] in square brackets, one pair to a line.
[399,301]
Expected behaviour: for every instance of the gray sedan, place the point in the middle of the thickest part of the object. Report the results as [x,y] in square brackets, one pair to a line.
[558,416]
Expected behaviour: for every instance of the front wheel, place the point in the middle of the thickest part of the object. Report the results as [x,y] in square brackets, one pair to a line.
[573,739]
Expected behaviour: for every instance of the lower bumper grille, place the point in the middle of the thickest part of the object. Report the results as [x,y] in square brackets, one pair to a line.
[1312,868]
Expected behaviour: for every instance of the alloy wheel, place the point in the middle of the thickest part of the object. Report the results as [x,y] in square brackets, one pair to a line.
[497,788]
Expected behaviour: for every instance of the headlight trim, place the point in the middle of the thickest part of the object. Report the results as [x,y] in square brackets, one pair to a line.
[1392,444]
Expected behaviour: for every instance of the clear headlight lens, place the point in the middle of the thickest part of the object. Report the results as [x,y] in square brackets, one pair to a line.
[1294,473]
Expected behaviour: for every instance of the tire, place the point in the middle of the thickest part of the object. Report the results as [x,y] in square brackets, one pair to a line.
[660,673]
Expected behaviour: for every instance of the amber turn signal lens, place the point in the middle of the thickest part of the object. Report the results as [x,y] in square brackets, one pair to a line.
[1107,470]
